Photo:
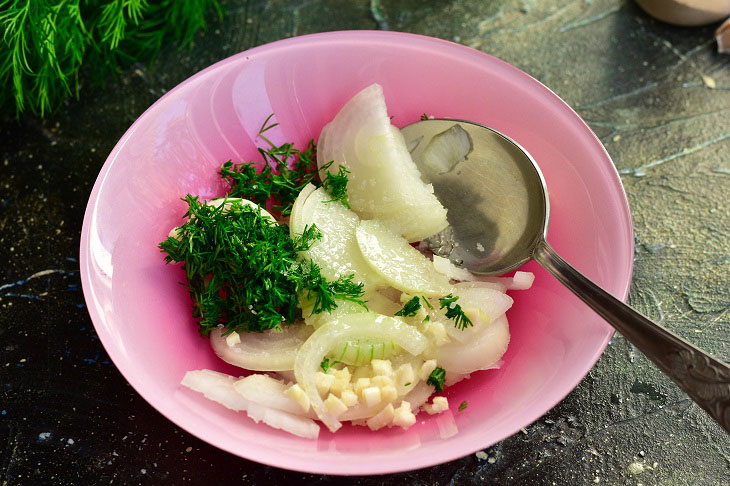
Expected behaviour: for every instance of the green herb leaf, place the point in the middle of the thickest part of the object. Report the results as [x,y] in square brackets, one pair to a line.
[243,270]
[455,312]
[437,378]
[336,184]
[44,44]
[410,308]
[326,364]
[463,406]
[427,302]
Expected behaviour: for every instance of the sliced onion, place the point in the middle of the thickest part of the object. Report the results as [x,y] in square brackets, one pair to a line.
[296,219]
[384,182]
[454,378]
[445,151]
[299,426]
[397,262]
[215,386]
[520,281]
[444,266]
[479,284]
[262,351]
[482,305]
[267,391]
[337,252]
[351,326]
[219,387]
[359,352]
[480,353]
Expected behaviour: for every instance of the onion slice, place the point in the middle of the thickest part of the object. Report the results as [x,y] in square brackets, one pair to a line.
[215,386]
[262,351]
[520,281]
[347,327]
[445,151]
[267,391]
[294,424]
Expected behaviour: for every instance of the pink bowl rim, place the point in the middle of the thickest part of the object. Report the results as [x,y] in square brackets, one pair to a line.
[322,467]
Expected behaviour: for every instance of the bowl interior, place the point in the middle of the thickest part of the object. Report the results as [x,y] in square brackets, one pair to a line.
[142,314]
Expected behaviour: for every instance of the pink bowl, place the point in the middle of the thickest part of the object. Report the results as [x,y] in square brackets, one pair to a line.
[142,314]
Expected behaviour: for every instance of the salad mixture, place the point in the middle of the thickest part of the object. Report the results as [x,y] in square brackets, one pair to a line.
[306,273]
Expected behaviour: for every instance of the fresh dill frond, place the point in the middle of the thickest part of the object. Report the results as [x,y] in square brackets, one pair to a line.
[410,308]
[437,378]
[45,43]
[279,179]
[462,406]
[325,293]
[243,271]
[455,312]
[282,174]
[336,184]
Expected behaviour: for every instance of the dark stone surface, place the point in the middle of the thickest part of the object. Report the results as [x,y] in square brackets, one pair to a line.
[657,96]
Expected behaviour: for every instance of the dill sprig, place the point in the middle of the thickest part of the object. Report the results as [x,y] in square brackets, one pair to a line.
[282,175]
[455,312]
[336,184]
[437,379]
[243,271]
[45,43]
[410,308]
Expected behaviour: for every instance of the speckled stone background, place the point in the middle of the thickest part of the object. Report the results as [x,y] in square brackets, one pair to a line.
[657,96]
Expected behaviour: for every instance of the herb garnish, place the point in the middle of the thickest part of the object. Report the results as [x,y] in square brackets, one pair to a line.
[326,364]
[283,175]
[425,301]
[437,378]
[462,406]
[336,184]
[455,312]
[243,270]
[410,308]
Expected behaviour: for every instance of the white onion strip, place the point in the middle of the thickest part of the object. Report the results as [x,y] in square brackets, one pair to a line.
[271,350]
[351,326]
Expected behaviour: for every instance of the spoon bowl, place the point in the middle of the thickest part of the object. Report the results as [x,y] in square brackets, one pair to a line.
[498,209]
[497,197]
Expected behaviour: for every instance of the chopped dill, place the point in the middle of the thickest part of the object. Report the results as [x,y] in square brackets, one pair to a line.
[426,301]
[326,364]
[243,270]
[424,117]
[336,184]
[462,406]
[410,308]
[282,175]
[437,378]
[455,312]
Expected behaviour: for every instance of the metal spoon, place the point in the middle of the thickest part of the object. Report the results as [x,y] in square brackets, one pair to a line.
[498,210]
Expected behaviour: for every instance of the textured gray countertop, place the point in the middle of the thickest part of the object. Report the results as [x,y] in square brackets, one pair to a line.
[657,96]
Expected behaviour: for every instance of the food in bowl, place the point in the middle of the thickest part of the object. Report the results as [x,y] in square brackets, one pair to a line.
[305,271]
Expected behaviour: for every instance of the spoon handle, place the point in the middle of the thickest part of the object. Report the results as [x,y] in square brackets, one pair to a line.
[704,378]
